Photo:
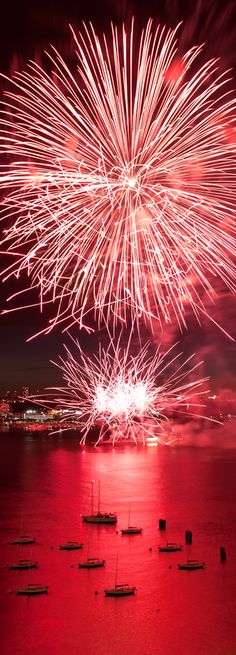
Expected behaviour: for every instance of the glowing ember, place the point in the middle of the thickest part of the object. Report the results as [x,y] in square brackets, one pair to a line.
[125,396]
[120,181]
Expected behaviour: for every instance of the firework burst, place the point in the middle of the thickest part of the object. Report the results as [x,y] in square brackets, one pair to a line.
[120,182]
[126,396]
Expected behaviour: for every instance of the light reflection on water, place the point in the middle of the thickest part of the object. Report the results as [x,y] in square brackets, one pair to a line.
[45,487]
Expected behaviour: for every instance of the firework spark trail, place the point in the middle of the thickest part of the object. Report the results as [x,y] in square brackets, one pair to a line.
[128,396]
[120,185]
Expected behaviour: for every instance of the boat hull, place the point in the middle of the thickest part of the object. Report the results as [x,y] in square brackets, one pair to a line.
[120,591]
[108,519]
[32,591]
[26,565]
[23,541]
[100,519]
[71,546]
[191,566]
[131,531]
[91,564]
[170,549]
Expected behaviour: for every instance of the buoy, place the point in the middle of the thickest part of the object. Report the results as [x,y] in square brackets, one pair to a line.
[188,536]
[222,554]
[162,524]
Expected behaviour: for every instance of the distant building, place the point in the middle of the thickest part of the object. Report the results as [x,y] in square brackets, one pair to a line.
[4,410]
[24,410]
[25,392]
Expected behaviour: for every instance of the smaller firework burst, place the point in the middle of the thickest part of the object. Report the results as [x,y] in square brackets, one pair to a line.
[126,396]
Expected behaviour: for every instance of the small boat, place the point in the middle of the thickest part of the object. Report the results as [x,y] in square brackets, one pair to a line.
[24,564]
[170,548]
[131,529]
[91,563]
[191,565]
[99,517]
[23,540]
[33,590]
[71,545]
[120,590]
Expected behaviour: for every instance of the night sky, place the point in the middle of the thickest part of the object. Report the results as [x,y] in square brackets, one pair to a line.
[25,32]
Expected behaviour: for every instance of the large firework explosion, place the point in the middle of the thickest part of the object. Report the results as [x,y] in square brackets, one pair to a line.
[126,396]
[119,181]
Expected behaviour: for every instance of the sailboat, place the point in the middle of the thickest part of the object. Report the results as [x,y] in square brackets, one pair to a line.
[32,590]
[131,529]
[123,589]
[191,565]
[23,539]
[99,517]
[91,562]
[170,548]
[24,564]
[71,545]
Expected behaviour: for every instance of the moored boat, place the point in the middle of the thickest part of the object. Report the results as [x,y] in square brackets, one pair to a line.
[24,564]
[91,563]
[120,590]
[170,548]
[23,540]
[191,565]
[100,517]
[71,545]
[109,518]
[33,590]
[131,529]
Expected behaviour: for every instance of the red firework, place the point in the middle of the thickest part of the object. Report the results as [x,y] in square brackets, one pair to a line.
[126,396]
[120,181]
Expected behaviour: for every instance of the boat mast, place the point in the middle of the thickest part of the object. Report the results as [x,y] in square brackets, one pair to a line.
[129,517]
[92,483]
[21,529]
[88,543]
[116,573]
[29,571]
[98,496]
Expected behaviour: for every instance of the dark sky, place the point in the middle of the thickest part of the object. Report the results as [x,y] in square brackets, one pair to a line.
[28,26]
[28,29]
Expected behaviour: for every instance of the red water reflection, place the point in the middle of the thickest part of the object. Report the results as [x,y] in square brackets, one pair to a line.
[46,486]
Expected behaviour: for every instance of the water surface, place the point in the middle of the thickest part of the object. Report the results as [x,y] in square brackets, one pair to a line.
[45,487]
